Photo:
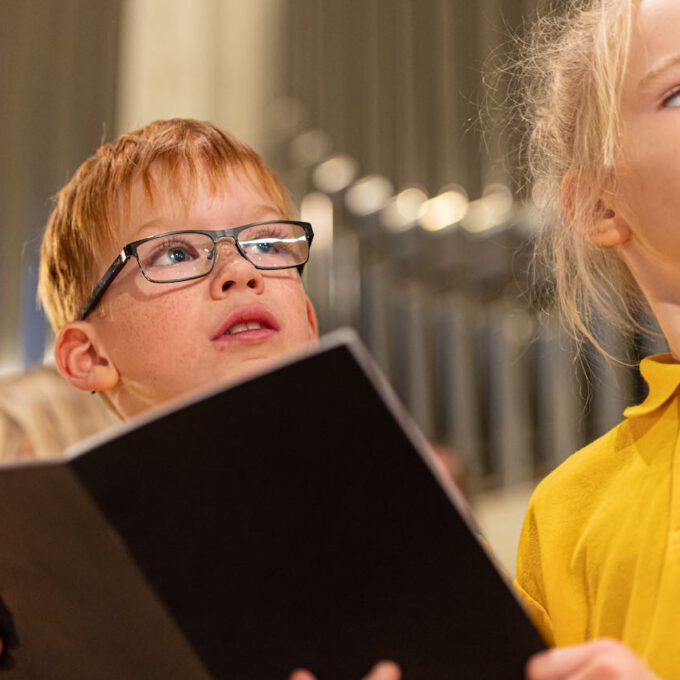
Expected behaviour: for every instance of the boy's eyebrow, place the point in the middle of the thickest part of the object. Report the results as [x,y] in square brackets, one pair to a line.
[659,69]
[259,212]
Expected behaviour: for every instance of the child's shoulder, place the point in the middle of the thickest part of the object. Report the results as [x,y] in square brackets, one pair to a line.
[640,444]
[589,473]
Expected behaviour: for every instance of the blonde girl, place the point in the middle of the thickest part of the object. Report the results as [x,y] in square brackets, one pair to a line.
[599,557]
[41,415]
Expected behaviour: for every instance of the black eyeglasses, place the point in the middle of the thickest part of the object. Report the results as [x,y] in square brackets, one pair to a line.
[191,253]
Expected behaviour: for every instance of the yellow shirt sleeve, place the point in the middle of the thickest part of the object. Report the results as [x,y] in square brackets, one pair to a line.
[528,582]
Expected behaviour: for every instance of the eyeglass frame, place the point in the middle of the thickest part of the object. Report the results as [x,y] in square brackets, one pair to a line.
[129,251]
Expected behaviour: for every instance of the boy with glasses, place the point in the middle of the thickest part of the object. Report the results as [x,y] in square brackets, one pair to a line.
[170,263]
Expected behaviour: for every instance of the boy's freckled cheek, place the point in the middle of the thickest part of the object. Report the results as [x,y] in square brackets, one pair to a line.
[167,320]
[156,325]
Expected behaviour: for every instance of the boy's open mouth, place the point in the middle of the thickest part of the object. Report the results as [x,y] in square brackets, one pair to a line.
[252,321]
[242,327]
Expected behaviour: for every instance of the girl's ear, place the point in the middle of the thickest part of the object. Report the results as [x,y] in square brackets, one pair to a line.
[608,228]
[82,360]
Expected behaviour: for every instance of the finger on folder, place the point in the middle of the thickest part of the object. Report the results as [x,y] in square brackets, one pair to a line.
[385,670]
[593,659]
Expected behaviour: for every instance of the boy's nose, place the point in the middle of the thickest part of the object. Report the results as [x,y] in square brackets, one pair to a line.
[233,270]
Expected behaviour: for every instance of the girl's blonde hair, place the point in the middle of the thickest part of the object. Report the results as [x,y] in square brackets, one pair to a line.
[571,72]
[41,414]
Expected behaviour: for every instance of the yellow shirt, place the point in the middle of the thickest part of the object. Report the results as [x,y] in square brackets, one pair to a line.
[599,554]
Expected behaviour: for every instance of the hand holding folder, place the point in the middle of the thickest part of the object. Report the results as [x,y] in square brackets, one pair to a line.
[385,670]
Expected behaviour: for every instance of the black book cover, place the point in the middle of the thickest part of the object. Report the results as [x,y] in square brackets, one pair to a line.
[292,520]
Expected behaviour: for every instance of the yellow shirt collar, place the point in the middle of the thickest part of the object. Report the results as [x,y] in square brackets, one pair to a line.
[662,375]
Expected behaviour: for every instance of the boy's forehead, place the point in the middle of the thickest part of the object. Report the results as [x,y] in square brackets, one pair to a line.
[177,194]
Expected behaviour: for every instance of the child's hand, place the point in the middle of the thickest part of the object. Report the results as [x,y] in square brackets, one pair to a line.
[385,670]
[598,659]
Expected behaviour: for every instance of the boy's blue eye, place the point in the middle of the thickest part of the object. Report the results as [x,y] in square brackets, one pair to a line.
[266,246]
[166,253]
[177,255]
[272,245]
[174,255]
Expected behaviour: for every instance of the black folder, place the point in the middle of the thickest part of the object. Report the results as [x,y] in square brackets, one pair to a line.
[295,519]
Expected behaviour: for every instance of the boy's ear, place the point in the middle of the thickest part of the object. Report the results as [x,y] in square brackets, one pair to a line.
[311,318]
[608,228]
[82,360]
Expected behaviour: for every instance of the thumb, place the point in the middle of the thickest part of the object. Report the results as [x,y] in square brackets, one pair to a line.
[301,674]
[385,670]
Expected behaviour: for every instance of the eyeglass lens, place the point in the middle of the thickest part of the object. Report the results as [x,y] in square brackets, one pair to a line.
[186,255]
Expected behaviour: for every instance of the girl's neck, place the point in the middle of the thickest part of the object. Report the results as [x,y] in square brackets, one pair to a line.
[667,314]
[660,284]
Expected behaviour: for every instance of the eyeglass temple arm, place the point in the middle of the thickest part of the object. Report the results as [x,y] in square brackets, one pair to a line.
[103,284]
[309,233]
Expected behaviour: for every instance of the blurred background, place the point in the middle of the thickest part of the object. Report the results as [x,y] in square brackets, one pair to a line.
[369,111]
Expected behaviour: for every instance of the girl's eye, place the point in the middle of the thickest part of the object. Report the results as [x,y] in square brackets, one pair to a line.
[672,100]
